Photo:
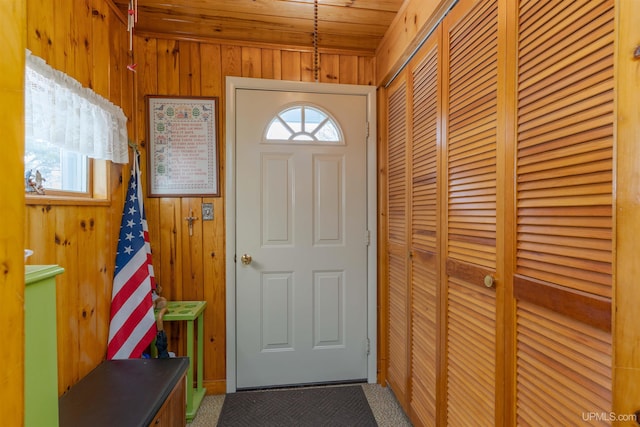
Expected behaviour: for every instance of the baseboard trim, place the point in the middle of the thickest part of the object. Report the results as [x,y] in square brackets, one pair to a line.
[215,386]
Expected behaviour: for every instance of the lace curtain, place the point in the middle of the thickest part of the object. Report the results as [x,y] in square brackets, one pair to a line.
[59,110]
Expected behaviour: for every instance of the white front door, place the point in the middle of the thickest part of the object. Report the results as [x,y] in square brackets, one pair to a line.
[301,217]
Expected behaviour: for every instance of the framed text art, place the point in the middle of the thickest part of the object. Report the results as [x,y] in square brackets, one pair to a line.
[182,153]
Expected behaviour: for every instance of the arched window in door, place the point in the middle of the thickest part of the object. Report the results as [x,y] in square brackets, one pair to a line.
[305,124]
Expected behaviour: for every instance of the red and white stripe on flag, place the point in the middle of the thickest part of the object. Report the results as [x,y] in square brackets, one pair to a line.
[132,326]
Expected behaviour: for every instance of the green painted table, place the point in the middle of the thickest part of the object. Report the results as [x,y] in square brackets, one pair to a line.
[189,311]
[41,346]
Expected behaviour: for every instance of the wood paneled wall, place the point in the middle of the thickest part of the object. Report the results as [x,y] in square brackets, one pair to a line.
[12,37]
[86,39]
[413,23]
[193,267]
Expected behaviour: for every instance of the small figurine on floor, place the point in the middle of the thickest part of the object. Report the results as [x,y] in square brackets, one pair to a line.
[160,303]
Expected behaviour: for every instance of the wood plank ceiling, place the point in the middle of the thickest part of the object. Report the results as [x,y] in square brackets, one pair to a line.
[343,25]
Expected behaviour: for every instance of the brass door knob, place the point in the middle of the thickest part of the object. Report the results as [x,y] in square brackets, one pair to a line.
[246,259]
[489,281]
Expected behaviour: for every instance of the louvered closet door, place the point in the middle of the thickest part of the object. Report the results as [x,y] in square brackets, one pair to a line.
[563,282]
[470,37]
[397,364]
[425,116]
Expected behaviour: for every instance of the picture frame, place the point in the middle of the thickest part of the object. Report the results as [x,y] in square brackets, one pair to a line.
[182,146]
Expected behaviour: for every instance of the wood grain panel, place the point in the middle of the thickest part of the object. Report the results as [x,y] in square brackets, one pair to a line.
[87,303]
[592,310]
[68,314]
[291,65]
[424,153]
[424,337]
[471,149]
[75,237]
[348,66]
[412,24]
[564,210]
[81,16]
[346,26]
[212,84]
[423,238]
[471,370]
[382,249]
[472,274]
[471,114]
[626,334]
[398,337]
[565,144]
[563,365]
[564,230]
[271,64]
[40,29]
[13,35]
[397,202]
[252,62]
[397,152]
[166,77]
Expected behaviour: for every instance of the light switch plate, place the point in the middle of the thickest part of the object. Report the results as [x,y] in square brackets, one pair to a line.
[207,211]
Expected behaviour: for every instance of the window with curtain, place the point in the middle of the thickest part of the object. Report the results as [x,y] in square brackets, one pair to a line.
[67,125]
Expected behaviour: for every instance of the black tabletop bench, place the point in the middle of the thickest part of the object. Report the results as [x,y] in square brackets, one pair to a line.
[127,393]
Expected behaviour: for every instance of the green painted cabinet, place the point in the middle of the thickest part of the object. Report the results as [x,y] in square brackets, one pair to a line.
[41,346]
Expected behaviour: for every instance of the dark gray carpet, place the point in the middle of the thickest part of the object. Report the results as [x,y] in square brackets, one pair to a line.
[312,407]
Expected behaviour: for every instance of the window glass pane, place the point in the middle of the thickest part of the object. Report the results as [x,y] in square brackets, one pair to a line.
[303,123]
[312,118]
[328,132]
[277,130]
[302,137]
[293,118]
[60,169]
[74,171]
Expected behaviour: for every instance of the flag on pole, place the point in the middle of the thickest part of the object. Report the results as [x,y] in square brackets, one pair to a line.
[132,326]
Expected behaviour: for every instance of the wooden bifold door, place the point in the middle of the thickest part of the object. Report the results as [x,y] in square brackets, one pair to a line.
[499,160]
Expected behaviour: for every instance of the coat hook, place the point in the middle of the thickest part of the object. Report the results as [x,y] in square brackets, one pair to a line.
[134,146]
[636,53]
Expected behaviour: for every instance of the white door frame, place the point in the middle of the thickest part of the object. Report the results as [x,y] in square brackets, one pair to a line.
[233,83]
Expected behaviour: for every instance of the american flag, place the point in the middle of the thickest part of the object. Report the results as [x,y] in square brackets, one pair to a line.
[132,326]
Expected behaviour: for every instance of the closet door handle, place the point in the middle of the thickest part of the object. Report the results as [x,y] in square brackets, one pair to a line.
[489,281]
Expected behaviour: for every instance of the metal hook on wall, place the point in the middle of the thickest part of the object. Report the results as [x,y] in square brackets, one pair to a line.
[134,146]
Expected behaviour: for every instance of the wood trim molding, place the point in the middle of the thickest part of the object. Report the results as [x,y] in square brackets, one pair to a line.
[587,308]
[215,386]
[425,257]
[473,274]
[626,333]
[245,43]
[118,13]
